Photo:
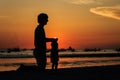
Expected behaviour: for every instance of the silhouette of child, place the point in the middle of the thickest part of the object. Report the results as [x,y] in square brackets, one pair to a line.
[54,54]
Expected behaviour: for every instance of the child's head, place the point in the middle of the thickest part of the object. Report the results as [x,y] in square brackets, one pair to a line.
[42,18]
[54,44]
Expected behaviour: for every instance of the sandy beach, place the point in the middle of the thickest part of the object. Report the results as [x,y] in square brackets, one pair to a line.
[84,73]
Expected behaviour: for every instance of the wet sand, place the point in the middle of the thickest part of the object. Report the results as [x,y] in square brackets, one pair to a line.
[85,73]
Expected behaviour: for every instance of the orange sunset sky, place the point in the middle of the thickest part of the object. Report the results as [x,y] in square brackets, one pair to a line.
[77,23]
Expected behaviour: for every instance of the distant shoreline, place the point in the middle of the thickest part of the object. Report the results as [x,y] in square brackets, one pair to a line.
[66,55]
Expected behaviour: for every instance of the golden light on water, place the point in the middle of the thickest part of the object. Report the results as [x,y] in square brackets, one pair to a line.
[14,63]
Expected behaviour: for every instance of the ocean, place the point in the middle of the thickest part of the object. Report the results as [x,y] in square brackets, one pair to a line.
[12,61]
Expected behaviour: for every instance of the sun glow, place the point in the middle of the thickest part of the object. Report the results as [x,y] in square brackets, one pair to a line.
[74,24]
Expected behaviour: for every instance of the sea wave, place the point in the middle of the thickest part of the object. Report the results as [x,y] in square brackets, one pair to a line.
[29,54]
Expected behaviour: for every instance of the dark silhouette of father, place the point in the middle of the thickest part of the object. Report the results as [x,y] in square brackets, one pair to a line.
[40,41]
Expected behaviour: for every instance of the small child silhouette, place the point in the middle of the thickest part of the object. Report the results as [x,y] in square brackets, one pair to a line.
[54,54]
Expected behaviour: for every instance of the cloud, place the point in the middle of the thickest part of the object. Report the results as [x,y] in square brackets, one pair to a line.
[111,12]
[85,2]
